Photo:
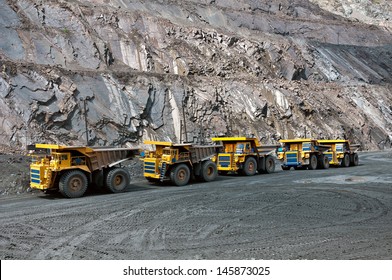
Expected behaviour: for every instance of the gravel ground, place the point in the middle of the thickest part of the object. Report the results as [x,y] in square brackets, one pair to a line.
[339,213]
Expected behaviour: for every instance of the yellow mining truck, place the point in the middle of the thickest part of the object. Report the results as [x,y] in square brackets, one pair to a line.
[302,154]
[244,155]
[341,152]
[179,162]
[70,169]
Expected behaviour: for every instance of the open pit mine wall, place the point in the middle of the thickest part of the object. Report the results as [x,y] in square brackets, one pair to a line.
[125,71]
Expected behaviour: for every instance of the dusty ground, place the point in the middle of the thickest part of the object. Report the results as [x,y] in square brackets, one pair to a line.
[339,213]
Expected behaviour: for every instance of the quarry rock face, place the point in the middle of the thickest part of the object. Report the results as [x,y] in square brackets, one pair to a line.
[108,72]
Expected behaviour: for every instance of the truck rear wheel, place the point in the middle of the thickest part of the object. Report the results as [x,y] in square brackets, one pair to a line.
[312,162]
[323,162]
[209,171]
[117,180]
[250,167]
[345,161]
[73,184]
[269,165]
[355,160]
[180,175]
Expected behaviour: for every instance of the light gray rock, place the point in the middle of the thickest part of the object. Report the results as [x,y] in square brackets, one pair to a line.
[135,70]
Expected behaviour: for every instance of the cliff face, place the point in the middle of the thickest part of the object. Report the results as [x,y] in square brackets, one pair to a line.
[176,70]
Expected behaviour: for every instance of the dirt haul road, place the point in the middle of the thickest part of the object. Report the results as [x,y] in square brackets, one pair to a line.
[339,213]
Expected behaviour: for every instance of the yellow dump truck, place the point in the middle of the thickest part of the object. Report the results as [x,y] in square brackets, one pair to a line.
[341,152]
[179,162]
[245,156]
[71,169]
[303,153]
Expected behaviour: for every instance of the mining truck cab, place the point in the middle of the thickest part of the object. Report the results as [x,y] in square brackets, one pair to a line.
[60,161]
[171,155]
[244,155]
[341,152]
[302,154]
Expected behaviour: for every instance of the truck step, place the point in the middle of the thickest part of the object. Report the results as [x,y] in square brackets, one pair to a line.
[163,171]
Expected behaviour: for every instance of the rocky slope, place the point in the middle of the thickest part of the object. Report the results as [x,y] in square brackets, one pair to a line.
[115,72]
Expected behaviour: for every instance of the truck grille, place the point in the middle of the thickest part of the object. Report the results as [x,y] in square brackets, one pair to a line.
[34,176]
[292,158]
[149,167]
[224,161]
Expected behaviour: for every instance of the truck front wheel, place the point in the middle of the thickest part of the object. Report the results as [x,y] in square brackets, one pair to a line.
[180,175]
[117,180]
[312,162]
[250,167]
[73,184]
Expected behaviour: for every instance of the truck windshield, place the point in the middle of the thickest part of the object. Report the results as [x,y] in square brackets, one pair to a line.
[242,148]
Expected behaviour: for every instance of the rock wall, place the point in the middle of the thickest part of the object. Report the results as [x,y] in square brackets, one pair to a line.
[117,72]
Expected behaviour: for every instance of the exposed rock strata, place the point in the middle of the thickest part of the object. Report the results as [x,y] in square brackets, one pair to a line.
[140,68]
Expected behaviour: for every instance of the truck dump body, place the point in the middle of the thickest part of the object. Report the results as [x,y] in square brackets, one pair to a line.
[200,153]
[107,157]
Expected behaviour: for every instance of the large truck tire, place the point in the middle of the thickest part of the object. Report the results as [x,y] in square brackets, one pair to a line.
[312,162]
[73,183]
[117,180]
[250,167]
[180,174]
[323,162]
[345,161]
[269,165]
[354,159]
[209,171]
